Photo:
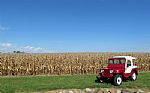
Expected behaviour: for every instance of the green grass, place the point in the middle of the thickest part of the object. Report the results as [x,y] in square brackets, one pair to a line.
[43,83]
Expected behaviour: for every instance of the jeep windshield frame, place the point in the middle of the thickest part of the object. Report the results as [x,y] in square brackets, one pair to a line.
[116,61]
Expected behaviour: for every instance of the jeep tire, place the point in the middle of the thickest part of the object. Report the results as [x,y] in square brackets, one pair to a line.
[117,80]
[134,76]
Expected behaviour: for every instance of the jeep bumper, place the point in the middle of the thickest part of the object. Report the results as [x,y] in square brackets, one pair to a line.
[100,76]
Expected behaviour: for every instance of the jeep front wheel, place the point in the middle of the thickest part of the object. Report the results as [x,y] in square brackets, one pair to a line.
[117,80]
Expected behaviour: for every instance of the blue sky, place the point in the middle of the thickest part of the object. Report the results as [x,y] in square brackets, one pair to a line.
[75,25]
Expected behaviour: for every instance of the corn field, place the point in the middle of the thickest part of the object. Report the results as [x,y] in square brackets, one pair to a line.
[62,63]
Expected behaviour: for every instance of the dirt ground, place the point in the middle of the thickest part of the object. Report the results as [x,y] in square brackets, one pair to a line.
[98,90]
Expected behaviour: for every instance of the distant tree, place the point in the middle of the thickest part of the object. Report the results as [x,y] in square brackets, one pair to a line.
[18,52]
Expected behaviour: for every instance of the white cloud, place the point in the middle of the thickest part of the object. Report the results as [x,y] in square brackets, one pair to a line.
[9,47]
[32,49]
[6,45]
[2,28]
[29,47]
[38,49]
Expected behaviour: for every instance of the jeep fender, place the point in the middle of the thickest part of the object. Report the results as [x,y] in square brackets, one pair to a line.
[135,70]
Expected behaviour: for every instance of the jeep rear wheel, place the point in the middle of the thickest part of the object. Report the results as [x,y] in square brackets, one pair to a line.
[134,76]
[117,80]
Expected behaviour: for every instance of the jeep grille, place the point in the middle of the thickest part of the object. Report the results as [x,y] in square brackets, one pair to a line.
[106,72]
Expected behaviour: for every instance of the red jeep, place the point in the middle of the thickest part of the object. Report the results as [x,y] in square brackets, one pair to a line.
[119,68]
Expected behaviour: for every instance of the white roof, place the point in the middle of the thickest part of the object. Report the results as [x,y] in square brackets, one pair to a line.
[126,57]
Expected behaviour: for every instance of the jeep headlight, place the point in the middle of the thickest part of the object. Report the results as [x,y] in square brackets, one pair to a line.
[111,71]
[102,71]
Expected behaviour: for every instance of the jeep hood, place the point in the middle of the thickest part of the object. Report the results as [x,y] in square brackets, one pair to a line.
[116,66]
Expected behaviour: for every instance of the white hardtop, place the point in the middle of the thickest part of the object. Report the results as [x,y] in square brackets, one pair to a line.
[126,57]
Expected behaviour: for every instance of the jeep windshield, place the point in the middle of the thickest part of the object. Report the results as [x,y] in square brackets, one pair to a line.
[116,61]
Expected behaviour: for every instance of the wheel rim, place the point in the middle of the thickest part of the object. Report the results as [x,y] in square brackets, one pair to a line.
[119,80]
[134,76]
